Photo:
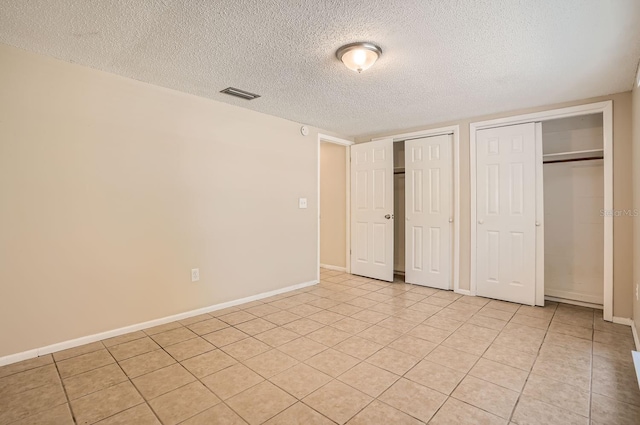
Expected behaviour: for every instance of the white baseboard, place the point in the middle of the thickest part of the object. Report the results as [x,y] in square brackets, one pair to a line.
[622,321]
[573,302]
[330,267]
[462,291]
[18,357]
[29,354]
[634,330]
[573,297]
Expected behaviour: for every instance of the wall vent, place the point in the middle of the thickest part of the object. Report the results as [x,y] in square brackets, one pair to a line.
[240,93]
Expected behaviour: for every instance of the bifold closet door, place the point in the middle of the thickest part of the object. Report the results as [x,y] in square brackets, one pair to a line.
[506,213]
[428,211]
[372,209]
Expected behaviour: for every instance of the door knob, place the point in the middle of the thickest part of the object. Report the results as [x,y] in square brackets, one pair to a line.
[450,220]
[537,223]
[388,216]
[480,221]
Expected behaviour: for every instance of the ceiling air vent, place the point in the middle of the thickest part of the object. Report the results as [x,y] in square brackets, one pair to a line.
[240,93]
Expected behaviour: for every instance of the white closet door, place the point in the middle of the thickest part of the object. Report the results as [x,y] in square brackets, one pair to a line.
[372,209]
[428,175]
[506,213]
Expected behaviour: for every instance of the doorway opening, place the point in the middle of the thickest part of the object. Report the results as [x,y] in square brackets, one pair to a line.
[334,187]
[573,174]
[405,209]
[333,204]
[573,171]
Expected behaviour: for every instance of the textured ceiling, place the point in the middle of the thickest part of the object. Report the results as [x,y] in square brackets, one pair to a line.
[442,59]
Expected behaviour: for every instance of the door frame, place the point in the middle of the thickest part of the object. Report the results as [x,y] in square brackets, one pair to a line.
[453,130]
[346,143]
[606,109]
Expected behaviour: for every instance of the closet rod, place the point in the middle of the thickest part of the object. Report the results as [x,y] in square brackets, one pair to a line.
[572,160]
[547,155]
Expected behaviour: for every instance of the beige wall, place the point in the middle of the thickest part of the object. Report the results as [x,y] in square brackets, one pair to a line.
[111,190]
[333,204]
[622,191]
[636,203]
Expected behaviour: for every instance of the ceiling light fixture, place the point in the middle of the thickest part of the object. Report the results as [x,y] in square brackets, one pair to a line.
[359,57]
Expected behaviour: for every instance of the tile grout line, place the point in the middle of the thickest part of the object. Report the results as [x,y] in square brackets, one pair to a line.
[515,406]
[137,390]
[64,389]
[227,367]
[401,376]
[128,379]
[334,378]
[388,304]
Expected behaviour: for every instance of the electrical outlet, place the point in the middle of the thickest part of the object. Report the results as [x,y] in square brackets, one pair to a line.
[195,275]
[302,203]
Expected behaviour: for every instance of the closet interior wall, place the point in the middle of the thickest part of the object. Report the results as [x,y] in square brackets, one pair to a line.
[573,208]
[399,208]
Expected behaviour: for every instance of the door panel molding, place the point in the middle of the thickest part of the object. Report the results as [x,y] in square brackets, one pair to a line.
[372,209]
[454,131]
[506,210]
[428,211]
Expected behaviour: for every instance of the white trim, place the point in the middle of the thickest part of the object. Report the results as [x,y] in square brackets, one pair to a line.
[607,132]
[18,357]
[539,218]
[455,131]
[623,321]
[573,302]
[474,201]
[456,209]
[336,140]
[634,331]
[462,291]
[346,144]
[606,109]
[575,296]
[552,114]
[347,204]
[330,267]
[421,133]
[13,358]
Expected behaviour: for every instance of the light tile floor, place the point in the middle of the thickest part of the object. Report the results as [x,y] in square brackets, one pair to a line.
[349,350]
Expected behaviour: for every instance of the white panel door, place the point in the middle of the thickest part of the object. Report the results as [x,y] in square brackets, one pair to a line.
[506,213]
[372,209]
[428,211]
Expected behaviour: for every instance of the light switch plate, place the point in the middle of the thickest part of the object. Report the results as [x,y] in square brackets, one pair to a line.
[302,203]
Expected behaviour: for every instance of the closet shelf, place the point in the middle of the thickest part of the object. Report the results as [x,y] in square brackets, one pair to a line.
[585,155]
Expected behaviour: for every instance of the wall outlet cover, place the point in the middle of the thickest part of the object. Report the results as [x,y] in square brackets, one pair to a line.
[195,275]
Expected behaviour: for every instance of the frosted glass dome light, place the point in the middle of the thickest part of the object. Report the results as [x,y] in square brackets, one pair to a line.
[359,57]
